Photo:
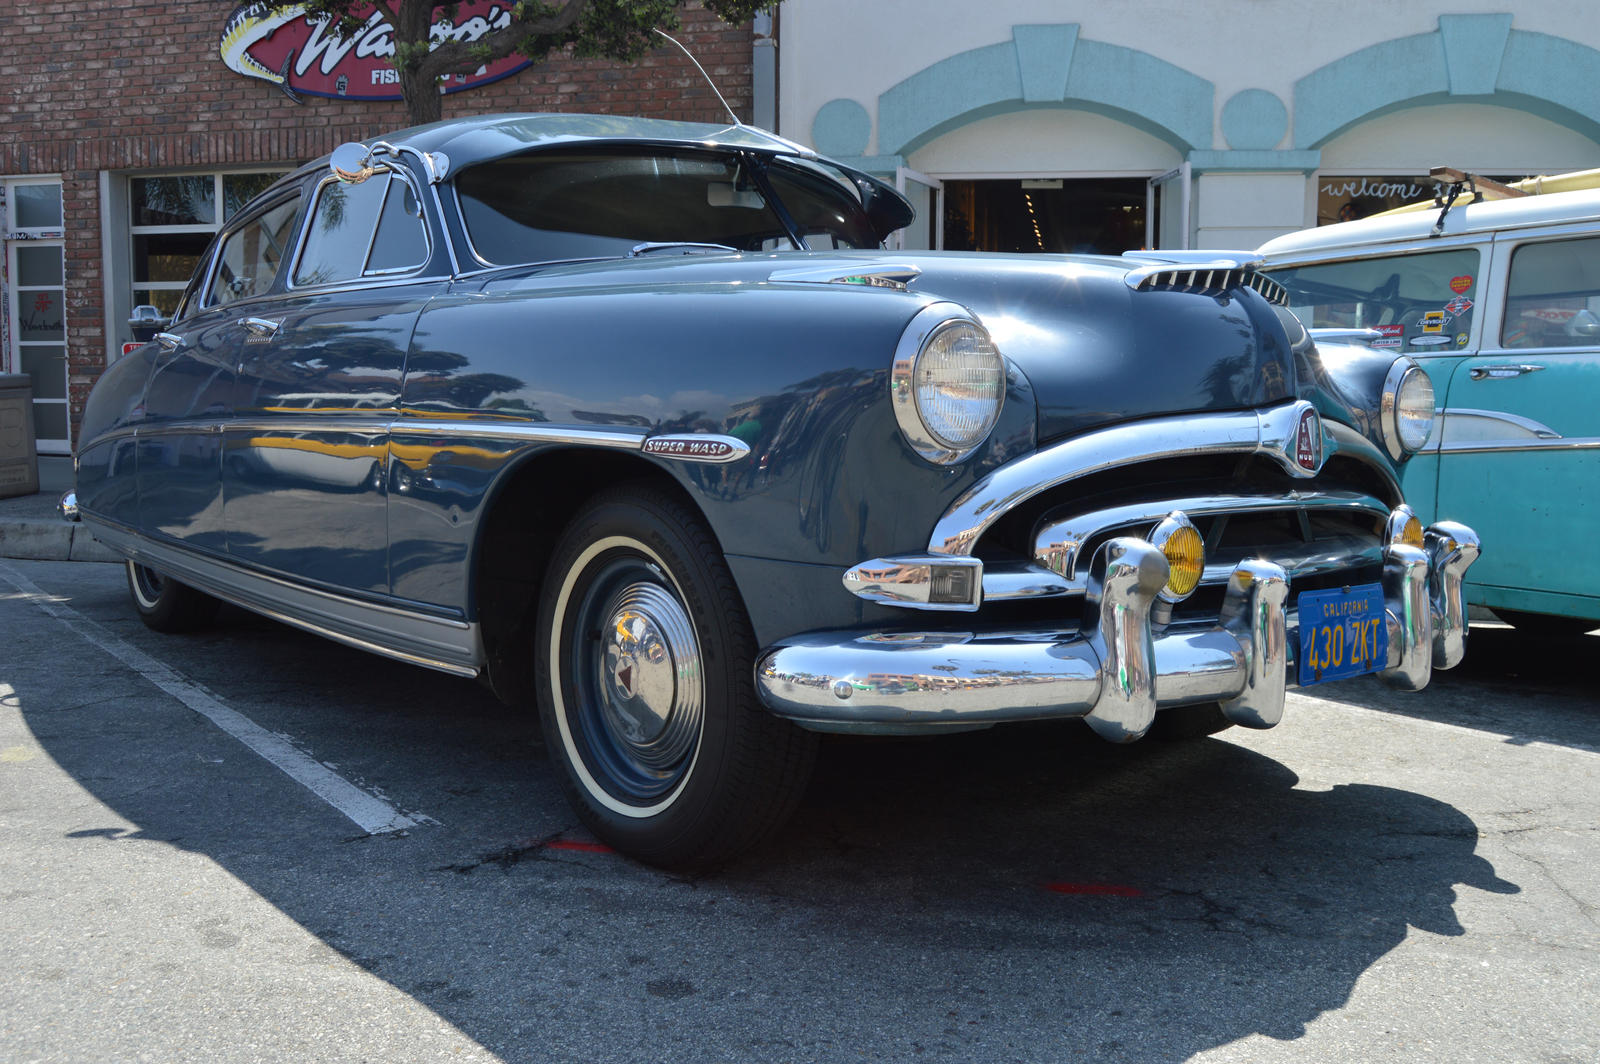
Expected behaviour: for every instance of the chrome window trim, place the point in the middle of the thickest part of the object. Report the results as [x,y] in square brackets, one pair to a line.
[234,227]
[1243,432]
[363,279]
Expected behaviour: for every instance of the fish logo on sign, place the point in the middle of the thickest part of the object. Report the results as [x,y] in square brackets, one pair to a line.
[303,53]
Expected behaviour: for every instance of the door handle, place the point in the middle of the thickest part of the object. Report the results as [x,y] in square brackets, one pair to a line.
[260,329]
[168,341]
[1500,373]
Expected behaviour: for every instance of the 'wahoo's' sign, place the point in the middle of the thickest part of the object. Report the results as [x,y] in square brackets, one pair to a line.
[304,53]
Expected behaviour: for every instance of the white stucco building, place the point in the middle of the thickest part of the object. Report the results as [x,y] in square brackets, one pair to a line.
[1036,124]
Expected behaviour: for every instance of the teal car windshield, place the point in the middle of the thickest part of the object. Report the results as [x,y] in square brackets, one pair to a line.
[1418,302]
[604,202]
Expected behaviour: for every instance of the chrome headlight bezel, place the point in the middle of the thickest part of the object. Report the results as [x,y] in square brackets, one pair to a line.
[1407,391]
[932,440]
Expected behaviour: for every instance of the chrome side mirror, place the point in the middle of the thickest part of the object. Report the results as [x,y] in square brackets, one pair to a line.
[352,162]
[1584,323]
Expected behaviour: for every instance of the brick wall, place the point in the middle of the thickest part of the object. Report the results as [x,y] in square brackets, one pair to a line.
[96,85]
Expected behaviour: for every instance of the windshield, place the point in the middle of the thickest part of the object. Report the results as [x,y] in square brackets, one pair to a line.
[603,202]
[1421,302]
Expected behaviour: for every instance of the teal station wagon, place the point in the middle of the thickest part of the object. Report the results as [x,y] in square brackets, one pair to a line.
[1500,303]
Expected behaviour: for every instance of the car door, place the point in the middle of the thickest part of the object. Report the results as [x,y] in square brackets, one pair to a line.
[1519,458]
[190,392]
[319,383]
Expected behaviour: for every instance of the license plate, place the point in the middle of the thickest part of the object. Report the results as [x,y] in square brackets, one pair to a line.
[1342,634]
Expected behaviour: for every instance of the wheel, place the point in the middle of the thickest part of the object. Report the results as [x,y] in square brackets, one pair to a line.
[1180,723]
[166,605]
[1547,624]
[646,688]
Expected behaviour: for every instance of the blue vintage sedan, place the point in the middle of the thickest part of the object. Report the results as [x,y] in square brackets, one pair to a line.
[638,423]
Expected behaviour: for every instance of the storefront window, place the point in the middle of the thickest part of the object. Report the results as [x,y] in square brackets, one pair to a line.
[172,220]
[1091,216]
[1345,199]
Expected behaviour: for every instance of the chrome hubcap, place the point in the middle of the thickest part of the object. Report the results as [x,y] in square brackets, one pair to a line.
[638,690]
[649,683]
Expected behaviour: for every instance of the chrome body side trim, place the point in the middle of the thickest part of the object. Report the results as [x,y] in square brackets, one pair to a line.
[448,644]
[1115,669]
[1466,430]
[383,422]
[1268,432]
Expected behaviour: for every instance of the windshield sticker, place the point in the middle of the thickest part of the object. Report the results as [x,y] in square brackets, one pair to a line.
[1434,321]
[1553,315]
[1391,335]
[1461,339]
[1460,284]
[1429,341]
[1458,305]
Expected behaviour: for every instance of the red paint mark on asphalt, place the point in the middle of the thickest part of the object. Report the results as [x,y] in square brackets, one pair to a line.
[581,847]
[1111,890]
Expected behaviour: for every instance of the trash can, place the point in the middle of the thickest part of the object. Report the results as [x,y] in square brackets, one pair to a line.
[19,463]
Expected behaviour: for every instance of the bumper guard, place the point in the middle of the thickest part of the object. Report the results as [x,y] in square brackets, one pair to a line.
[1115,670]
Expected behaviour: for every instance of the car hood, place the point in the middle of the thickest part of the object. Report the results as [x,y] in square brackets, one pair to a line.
[1095,350]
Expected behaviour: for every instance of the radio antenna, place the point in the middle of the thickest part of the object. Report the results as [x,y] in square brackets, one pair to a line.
[703,74]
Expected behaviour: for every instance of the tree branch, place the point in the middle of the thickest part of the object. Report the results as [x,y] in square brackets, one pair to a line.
[460,57]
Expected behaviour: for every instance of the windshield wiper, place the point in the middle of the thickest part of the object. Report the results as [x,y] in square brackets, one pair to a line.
[680,247]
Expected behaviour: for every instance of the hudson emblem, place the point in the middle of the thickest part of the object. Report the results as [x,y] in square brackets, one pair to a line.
[1307,451]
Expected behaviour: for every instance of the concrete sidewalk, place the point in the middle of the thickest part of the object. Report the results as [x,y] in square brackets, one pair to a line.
[31,528]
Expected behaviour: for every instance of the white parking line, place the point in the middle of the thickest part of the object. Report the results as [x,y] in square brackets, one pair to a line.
[369,812]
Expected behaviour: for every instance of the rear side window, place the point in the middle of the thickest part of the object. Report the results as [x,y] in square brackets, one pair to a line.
[252,255]
[1420,303]
[1553,299]
[361,230]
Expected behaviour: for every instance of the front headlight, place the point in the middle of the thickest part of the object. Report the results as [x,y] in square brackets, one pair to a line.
[1406,419]
[947,384]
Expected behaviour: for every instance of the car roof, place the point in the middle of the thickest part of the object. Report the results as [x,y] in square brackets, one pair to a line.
[468,141]
[1463,219]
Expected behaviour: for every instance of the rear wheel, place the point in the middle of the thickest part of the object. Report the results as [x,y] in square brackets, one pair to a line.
[166,605]
[646,688]
[1547,624]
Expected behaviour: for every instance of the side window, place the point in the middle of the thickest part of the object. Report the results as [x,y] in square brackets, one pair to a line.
[252,254]
[1553,299]
[363,229]
[1418,302]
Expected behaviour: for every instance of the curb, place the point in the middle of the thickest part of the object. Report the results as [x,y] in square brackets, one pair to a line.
[47,540]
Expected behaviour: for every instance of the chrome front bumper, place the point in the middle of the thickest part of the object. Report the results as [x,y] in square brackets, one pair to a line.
[1115,670]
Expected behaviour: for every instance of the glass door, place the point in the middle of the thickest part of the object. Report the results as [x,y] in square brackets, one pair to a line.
[1167,210]
[36,307]
[926,231]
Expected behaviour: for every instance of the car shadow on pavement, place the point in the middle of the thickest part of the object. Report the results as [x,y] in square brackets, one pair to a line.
[1504,686]
[1028,893]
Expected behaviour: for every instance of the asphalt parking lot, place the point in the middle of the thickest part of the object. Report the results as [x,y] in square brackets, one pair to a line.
[250,844]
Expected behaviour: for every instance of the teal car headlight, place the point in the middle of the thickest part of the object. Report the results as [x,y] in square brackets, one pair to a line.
[947,385]
[1406,418]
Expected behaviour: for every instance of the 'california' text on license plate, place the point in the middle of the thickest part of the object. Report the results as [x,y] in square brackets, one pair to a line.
[1342,633]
